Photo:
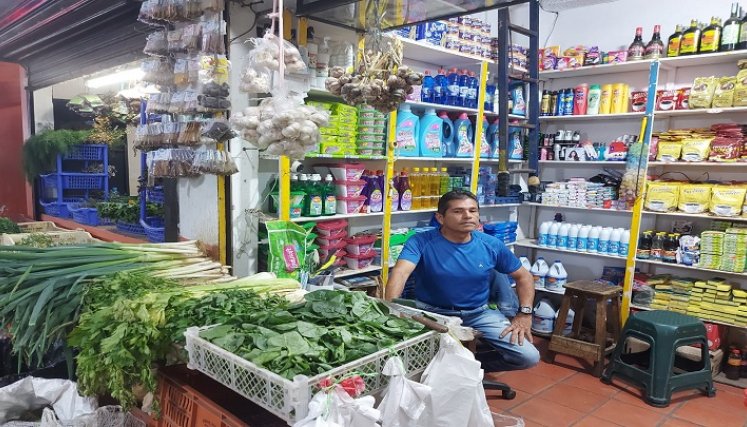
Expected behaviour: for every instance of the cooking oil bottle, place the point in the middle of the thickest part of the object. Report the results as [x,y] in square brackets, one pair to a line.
[710,38]
[690,44]
[416,183]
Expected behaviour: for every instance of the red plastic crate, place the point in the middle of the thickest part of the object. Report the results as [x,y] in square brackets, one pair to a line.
[183,406]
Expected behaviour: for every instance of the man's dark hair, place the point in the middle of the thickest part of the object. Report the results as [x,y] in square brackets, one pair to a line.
[443,202]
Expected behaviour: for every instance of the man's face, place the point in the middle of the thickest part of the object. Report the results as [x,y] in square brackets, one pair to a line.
[463,215]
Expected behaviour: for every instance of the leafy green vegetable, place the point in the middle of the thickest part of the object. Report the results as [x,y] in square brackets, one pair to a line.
[8,226]
[330,329]
[40,150]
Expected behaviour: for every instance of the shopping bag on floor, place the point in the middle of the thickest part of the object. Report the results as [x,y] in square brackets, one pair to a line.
[457,395]
[334,407]
[405,400]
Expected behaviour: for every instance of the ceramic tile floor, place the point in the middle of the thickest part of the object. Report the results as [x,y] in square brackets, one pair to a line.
[565,394]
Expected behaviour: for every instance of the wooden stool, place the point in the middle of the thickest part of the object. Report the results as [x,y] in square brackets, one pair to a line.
[576,295]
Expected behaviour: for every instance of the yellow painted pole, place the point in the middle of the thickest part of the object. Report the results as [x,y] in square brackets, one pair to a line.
[388,182]
[478,127]
[284,180]
[222,215]
[287,24]
[303,25]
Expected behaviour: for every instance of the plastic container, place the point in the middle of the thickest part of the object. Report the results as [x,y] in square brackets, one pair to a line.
[464,136]
[604,240]
[440,87]
[408,129]
[552,234]
[493,138]
[486,149]
[370,151]
[349,188]
[373,129]
[525,263]
[539,272]
[452,85]
[580,99]
[573,236]
[350,205]
[326,251]
[563,235]
[448,149]
[360,245]
[557,277]
[592,105]
[329,241]
[568,327]
[357,262]
[429,139]
[347,171]
[428,88]
[614,246]
[544,233]
[592,243]
[583,238]
[371,137]
[543,319]
[332,228]
[624,243]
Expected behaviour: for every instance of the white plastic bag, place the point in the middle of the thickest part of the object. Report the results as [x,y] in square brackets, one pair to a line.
[335,408]
[457,396]
[32,393]
[405,400]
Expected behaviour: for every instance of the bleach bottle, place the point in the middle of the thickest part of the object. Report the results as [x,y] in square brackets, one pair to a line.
[493,139]
[472,87]
[544,233]
[428,87]
[557,277]
[563,235]
[525,263]
[463,89]
[485,149]
[539,272]
[582,244]
[552,235]
[448,146]
[464,136]
[408,129]
[441,87]
[431,131]
[543,319]
[568,327]
[452,83]
[573,237]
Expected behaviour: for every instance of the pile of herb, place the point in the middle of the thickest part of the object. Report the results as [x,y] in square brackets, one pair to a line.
[8,226]
[40,150]
[37,240]
[329,329]
[134,321]
[129,211]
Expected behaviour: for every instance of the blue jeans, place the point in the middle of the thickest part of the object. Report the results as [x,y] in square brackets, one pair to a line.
[491,323]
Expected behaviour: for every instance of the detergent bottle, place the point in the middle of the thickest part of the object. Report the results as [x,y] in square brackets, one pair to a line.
[568,327]
[452,83]
[515,143]
[408,129]
[448,148]
[543,319]
[428,87]
[485,149]
[557,277]
[464,136]
[539,272]
[441,87]
[463,89]
[472,86]
[405,192]
[493,131]
[330,197]
[430,134]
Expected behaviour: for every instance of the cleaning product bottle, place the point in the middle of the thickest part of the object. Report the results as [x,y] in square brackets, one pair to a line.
[452,96]
[294,185]
[316,196]
[463,88]
[464,136]
[543,319]
[330,198]
[375,195]
[389,191]
[525,263]
[604,240]
[485,147]
[614,246]
[416,185]
[490,97]
[435,187]
[552,235]
[539,272]
[431,132]
[592,244]
[448,148]
[472,85]
[573,237]
[563,235]
[440,87]
[405,192]
[444,181]
[544,233]
[624,243]
[556,276]
[582,244]
[303,185]
[515,143]
[493,131]
[595,93]
[408,129]
[427,89]
[568,327]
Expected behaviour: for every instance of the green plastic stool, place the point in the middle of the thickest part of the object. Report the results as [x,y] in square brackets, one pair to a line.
[652,369]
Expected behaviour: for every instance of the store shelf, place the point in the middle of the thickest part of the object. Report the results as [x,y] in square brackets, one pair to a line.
[541,205]
[688,267]
[438,55]
[501,205]
[701,112]
[699,164]
[704,59]
[329,156]
[619,116]
[414,211]
[349,273]
[322,93]
[440,107]
[550,291]
[603,163]
[532,244]
[644,308]
[721,378]
[595,70]
[706,216]
[337,216]
[450,160]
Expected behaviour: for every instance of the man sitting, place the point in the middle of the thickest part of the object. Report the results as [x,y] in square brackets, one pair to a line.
[454,270]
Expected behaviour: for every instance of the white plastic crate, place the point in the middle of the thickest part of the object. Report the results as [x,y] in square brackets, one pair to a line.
[59,238]
[287,399]
[39,227]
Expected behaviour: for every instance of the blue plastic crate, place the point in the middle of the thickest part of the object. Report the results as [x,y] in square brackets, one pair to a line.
[60,210]
[155,195]
[90,152]
[155,230]
[86,216]
[83,181]
[130,228]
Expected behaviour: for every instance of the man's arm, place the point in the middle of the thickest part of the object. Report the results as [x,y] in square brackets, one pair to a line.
[521,325]
[397,278]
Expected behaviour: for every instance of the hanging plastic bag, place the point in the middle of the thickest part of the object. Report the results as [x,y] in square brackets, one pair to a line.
[457,396]
[405,400]
[336,406]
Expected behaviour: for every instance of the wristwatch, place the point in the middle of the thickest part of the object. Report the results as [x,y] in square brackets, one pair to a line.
[525,309]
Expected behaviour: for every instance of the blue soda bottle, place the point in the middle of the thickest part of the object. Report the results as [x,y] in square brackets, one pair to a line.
[427,90]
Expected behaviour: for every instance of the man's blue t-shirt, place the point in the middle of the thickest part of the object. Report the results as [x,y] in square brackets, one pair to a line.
[456,275]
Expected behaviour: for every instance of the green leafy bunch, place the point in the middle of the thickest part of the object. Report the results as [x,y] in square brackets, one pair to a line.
[40,151]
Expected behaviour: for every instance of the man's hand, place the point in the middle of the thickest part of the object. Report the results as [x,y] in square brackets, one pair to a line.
[521,326]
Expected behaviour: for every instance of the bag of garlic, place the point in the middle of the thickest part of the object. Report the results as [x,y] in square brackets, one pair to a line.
[266,54]
[282,126]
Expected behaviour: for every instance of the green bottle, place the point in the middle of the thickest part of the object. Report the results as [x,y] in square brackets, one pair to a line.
[330,196]
[315,195]
[303,185]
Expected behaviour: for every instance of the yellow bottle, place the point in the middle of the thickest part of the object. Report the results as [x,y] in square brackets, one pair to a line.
[416,183]
[444,181]
[435,187]
[605,100]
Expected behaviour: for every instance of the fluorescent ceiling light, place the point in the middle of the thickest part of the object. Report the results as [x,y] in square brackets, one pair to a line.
[117,77]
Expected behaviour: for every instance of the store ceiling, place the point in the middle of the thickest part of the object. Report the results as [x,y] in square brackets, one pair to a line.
[58,40]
